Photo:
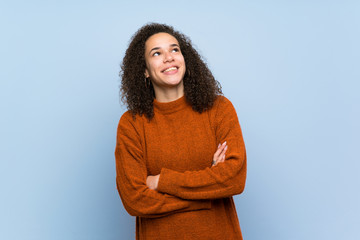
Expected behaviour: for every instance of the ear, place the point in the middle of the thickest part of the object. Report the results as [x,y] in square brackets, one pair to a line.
[146,73]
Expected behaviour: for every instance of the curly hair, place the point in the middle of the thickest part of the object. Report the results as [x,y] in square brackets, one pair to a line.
[200,86]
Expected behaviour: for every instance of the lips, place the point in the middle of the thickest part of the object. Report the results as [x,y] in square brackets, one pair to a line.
[169,69]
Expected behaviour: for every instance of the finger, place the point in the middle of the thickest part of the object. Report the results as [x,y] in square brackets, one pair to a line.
[223,151]
[222,146]
[222,155]
[218,155]
[221,158]
[219,150]
[215,163]
[218,158]
[220,161]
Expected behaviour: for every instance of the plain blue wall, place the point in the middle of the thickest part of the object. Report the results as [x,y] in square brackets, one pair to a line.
[291,68]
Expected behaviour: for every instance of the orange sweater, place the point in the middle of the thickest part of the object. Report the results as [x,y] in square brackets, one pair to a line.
[193,199]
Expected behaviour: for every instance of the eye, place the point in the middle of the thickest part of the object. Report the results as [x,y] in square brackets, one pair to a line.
[176,50]
[156,54]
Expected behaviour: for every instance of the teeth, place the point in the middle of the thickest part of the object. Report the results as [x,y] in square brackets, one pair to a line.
[170,69]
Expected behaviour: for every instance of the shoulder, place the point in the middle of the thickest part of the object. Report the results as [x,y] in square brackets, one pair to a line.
[222,111]
[129,118]
[129,123]
[222,100]
[222,104]
[126,117]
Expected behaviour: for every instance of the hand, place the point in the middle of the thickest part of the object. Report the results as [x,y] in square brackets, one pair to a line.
[152,181]
[219,155]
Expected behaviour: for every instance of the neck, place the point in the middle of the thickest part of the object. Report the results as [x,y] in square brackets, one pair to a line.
[169,94]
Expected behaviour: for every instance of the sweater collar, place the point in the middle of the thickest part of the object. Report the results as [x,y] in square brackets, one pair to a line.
[170,107]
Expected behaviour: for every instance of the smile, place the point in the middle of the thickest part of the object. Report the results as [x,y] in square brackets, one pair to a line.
[170,69]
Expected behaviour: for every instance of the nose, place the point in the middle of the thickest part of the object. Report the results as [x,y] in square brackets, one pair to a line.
[168,57]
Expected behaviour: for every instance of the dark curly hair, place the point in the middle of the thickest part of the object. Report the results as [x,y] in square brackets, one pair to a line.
[200,86]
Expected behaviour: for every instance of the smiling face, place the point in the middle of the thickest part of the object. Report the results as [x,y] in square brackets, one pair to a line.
[165,64]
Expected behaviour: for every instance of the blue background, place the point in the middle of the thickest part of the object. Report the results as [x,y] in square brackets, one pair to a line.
[291,69]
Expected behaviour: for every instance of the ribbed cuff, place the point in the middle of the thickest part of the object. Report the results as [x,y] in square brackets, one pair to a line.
[165,184]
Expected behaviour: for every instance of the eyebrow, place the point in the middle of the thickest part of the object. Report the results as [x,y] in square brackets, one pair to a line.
[157,48]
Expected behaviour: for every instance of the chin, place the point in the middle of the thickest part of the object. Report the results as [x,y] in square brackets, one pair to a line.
[175,83]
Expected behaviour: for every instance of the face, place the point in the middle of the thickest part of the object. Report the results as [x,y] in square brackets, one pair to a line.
[165,65]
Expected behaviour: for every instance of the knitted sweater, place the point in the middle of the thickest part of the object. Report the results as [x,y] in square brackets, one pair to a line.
[193,199]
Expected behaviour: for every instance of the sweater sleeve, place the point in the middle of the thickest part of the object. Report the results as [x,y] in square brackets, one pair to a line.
[223,180]
[131,174]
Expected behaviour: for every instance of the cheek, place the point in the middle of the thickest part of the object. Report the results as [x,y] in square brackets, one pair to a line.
[153,66]
[149,69]
[182,60]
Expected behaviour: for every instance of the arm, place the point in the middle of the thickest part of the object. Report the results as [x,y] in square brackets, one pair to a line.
[219,156]
[131,175]
[223,180]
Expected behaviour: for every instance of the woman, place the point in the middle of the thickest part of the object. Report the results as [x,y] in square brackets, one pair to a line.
[180,155]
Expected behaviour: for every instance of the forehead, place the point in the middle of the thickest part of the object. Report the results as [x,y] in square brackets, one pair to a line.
[160,40]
